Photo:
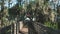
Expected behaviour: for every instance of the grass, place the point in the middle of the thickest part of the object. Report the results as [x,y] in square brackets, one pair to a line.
[52,25]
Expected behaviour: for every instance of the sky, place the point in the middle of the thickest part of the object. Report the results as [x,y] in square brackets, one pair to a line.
[55,2]
[15,1]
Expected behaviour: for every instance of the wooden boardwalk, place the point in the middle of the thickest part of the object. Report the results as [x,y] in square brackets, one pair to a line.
[42,29]
[38,29]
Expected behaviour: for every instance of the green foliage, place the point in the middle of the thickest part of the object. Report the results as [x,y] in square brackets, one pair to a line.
[52,25]
[29,6]
[6,22]
[8,31]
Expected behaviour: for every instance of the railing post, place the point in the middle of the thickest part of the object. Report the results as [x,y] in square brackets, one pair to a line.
[14,28]
[0,26]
